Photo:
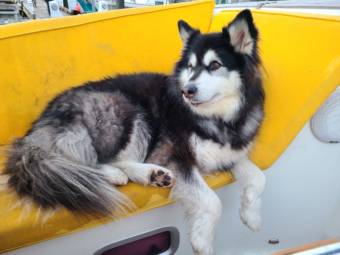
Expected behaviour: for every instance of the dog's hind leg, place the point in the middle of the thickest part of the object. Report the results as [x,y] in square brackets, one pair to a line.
[146,174]
[75,144]
[54,168]
[202,209]
[252,181]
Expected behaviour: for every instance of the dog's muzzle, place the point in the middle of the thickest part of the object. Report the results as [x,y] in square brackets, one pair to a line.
[189,91]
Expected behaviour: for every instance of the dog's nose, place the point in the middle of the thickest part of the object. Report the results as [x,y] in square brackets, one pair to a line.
[189,91]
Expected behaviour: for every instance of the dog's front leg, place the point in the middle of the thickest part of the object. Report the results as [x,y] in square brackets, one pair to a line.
[252,181]
[202,210]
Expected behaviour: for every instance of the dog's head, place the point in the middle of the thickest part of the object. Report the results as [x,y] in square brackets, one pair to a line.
[214,67]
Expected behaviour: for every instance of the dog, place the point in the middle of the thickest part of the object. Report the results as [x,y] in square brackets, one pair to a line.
[153,129]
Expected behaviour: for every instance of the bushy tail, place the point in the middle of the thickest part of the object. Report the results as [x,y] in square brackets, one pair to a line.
[51,180]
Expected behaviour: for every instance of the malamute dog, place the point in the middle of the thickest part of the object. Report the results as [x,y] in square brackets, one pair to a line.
[153,129]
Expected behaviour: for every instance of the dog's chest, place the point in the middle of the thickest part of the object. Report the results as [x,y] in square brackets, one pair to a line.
[212,156]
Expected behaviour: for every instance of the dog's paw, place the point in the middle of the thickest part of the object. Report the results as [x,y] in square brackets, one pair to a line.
[120,179]
[251,216]
[201,245]
[250,212]
[161,177]
[114,175]
[206,251]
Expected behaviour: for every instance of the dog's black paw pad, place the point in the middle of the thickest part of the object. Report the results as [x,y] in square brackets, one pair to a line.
[162,178]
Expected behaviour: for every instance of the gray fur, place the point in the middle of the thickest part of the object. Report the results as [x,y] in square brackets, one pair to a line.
[137,148]
[252,122]
[89,135]
[52,179]
[75,144]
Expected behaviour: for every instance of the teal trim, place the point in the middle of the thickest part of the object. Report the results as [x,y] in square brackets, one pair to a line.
[86,6]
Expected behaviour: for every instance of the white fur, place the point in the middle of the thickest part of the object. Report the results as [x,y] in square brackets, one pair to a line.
[202,208]
[212,156]
[220,93]
[128,160]
[140,172]
[217,91]
[193,60]
[137,148]
[252,181]
[115,175]
[221,82]
[184,76]
[209,57]
[240,37]
[253,121]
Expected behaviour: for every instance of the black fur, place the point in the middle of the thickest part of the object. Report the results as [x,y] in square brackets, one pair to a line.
[106,109]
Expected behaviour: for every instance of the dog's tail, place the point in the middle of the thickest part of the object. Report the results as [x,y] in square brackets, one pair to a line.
[51,180]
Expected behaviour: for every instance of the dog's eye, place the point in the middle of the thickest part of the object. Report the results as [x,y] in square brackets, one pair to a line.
[189,65]
[214,66]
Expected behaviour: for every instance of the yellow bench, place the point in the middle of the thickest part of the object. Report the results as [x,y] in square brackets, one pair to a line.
[301,56]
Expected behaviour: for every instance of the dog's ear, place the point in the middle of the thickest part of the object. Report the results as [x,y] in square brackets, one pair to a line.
[242,33]
[186,31]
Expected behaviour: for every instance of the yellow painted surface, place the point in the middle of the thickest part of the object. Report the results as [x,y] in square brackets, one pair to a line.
[301,58]
[41,58]
[38,59]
